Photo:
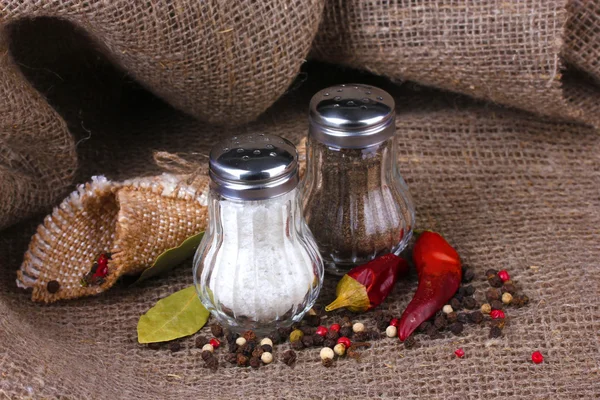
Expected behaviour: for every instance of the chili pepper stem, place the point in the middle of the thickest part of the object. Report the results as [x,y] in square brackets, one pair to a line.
[350,294]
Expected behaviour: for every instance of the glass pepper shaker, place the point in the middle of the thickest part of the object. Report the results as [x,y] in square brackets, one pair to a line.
[355,201]
[257,266]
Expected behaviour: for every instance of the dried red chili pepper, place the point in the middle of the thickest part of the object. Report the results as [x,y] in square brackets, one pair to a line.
[439,271]
[366,286]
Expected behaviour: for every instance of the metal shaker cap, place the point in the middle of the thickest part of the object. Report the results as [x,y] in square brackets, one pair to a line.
[253,167]
[352,116]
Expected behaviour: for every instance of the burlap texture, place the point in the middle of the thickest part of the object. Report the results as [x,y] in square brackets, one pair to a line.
[507,189]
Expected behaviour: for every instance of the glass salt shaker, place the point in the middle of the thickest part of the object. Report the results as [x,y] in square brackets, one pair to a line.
[257,266]
[355,201]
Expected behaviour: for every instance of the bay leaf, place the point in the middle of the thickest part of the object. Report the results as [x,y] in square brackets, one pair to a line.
[178,315]
[171,258]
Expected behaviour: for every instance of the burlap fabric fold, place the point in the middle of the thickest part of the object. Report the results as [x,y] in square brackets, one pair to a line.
[507,189]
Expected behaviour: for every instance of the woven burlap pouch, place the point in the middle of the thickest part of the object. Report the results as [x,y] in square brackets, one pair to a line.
[508,52]
[135,221]
[220,61]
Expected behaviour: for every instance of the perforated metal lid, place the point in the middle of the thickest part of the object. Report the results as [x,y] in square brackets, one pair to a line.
[253,167]
[352,116]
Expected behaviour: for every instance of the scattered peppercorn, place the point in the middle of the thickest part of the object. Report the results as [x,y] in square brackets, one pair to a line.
[452,317]
[275,337]
[208,347]
[486,308]
[215,343]
[460,353]
[327,362]
[233,348]
[504,275]
[433,333]
[297,345]
[537,357]
[53,287]
[391,331]
[346,331]
[231,337]
[495,332]
[463,318]
[154,346]
[249,335]
[289,357]
[381,324]
[335,327]
[257,352]
[247,349]
[361,336]
[424,327]
[212,363]
[358,327]
[267,357]
[267,348]
[217,330]
[495,281]
[507,298]
[242,360]
[410,342]
[206,354]
[459,297]
[255,362]
[312,320]
[476,317]
[455,304]
[499,323]
[318,340]
[329,343]
[491,272]
[447,309]
[308,330]
[332,335]
[492,294]
[468,274]
[519,300]
[373,334]
[339,349]
[231,358]
[469,290]
[497,314]
[240,341]
[285,332]
[456,328]
[322,331]
[296,335]
[496,305]
[439,322]
[345,341]
[346,321]
[174,346]
[508,288]
[469,303]
[307,341]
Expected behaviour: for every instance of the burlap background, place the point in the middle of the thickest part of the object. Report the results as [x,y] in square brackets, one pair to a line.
[507,188]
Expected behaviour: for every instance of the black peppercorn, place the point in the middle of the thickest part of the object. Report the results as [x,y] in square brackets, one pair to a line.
[53,287]
[495,281]
[424,326]
[439,322]
[452,317]
[468,274]
[456,328]
[492,294]
[247,349]
[318,339]
[307,341]
[174,346]
[463,318]
[491,272]
[297,345]
[346,321]
[206,355]
[249,336]
[459,297]
[233,347]
[469,290]
[201,341]
[361,336]
[231,358]
[329,343]
[284,332]
[410,342]
[312,320]
[267,347]
[496,305]
[231,337]
[381,324]
[469,303]
[242,360]
[257,352]
[327,362]
[255,362]
[498,323]
[519,300]
[476,317]
[373,334]
[333,335]
[455,304]
[348,332]
[461,291]
[154,346]
[432,332]
[217,330]
[508,288]
[289,357]
[212,363]
[495,332]
[307,330]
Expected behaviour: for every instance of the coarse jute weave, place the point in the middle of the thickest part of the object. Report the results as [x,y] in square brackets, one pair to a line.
[507,188]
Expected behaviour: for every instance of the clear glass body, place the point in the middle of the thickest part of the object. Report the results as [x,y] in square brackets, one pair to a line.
[356,203]
[257,266]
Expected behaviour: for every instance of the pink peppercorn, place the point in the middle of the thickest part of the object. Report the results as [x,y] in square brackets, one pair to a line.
[214,343]
[537,357]
[497,314]
[504,275]
[335,327]
[345,341]
[321,331]
[460,353]
[395,322]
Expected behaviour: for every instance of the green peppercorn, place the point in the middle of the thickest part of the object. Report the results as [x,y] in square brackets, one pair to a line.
[296,335]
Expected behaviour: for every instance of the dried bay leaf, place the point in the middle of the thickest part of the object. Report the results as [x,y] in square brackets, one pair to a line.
[171,258]
[178,315]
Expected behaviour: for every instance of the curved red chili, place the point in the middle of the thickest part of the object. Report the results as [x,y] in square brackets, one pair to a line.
[439,270]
